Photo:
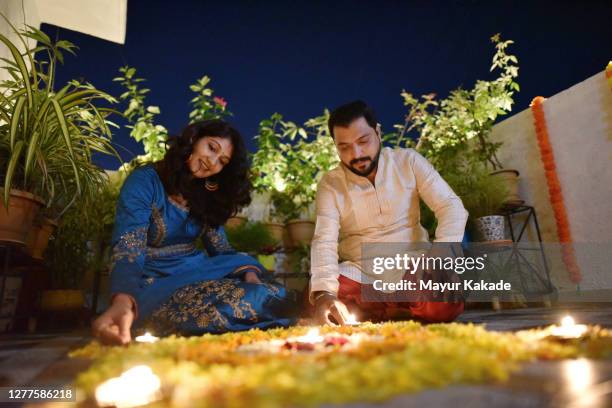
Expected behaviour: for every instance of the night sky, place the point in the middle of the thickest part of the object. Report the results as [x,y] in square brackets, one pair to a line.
[296,59]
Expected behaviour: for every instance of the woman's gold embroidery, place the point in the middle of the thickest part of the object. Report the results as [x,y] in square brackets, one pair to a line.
[189,303]
[218,241]
[171,250]
[160,226]
[130,245]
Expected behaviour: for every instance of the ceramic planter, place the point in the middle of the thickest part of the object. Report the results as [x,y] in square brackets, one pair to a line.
[38,237]
[490,228]
[301,231]
[510,178]
[15,224]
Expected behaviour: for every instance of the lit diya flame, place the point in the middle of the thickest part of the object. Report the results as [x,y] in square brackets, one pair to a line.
[136,386]
[351,320]
[146,338]
[312,336]
[569,329]
[307,342]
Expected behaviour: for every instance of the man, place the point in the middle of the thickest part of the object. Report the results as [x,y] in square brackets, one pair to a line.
[373,196]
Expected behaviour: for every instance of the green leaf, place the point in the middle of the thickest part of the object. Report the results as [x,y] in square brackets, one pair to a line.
[32,147]
[10,171]
[25,75]
[64,127]
[15,120]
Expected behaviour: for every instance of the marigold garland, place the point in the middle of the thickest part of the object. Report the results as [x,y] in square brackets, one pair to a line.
[554,190]
[609,74]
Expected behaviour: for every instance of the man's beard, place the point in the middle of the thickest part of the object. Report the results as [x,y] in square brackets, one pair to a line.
[369,169]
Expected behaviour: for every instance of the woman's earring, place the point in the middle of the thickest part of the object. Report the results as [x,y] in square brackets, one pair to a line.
[211,185]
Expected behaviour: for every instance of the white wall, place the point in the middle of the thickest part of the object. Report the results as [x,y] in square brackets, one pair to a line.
[105,19]
[579,122]
[18,12]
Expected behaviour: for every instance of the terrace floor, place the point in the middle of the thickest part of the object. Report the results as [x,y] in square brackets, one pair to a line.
[41,359]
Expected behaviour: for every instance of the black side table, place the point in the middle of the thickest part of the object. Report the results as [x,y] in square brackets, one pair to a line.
[517,233]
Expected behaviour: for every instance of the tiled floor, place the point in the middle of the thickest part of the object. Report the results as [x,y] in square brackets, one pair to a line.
[41,359]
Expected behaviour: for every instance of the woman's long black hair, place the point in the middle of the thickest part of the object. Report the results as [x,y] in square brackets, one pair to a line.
[210,208]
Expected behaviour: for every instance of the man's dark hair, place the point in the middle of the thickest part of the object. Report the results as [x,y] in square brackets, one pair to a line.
[345,115]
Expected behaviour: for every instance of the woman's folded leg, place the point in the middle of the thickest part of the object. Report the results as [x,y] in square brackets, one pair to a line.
[222,305]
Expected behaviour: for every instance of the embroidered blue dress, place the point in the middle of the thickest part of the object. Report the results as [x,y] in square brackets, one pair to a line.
[177,287]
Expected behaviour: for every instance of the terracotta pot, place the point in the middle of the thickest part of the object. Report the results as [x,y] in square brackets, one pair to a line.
[490,228]
[276,231]
[62,300]
[301,231]
[287,242]
[510,178]
[38,237]
[18,220]
[235,221]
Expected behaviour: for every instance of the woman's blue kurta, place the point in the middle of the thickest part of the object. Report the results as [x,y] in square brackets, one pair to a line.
[177,287]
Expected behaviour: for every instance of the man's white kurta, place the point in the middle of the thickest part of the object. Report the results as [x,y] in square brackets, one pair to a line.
[351,211]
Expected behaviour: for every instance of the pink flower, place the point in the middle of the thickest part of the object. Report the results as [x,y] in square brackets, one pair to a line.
[220,101]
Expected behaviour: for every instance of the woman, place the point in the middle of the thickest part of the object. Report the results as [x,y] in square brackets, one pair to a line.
[160,281]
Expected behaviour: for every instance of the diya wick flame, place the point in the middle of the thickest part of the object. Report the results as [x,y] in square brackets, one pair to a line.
[313,336]
[569,329]
[135,387]
[351,320]
[146,338]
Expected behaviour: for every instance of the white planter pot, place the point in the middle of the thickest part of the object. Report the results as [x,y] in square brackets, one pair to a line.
[490,228]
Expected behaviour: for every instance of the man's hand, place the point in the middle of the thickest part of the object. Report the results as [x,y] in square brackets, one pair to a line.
[113,326]
[326,306]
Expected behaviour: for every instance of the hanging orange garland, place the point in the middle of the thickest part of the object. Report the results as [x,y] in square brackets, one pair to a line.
[554,190]
[609,74]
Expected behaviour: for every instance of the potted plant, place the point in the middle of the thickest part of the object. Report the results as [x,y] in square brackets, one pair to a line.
[255,239]
[313,156]
[80,249]
[38,236]
[289,162]
[236,221]
[482,197]
[47,136]
[274,222]
[269,170]
[461,124]
[270,217]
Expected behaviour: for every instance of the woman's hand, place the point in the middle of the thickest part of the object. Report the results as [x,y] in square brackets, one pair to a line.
[251,277]
[113,326]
